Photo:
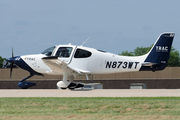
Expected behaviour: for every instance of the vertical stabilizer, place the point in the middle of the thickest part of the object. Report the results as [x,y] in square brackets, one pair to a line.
[158,56]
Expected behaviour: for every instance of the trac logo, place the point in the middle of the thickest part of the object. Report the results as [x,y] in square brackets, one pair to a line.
[161,48]
[32,59]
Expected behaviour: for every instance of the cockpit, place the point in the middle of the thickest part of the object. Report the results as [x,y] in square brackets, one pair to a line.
[61,52]
[64,52]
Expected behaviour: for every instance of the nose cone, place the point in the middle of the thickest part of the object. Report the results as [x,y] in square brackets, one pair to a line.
[11,60]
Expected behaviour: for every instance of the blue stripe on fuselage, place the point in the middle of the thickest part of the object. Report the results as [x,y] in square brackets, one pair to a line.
[22,64]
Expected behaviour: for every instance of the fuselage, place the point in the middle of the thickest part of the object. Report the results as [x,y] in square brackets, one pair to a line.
[71,61]
[88,60]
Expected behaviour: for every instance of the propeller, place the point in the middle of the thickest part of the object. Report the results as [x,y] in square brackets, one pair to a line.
[12,53]
[12,63]
[11,60]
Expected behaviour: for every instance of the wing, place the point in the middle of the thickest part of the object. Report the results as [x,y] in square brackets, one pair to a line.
[59,67]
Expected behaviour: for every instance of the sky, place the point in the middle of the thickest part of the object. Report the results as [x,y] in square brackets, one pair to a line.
[31,26]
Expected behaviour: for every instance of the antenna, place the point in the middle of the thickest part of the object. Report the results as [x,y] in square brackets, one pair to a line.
[85,41]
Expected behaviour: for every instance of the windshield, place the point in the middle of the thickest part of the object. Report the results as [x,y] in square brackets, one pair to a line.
[48,51]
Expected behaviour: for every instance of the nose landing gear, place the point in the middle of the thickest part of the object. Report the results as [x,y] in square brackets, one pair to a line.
[24,84]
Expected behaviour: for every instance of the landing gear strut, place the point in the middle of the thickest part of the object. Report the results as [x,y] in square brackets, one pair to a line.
[68,84]
[25,85]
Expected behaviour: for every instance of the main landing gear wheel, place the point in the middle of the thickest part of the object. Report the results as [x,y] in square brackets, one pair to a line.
[63,88]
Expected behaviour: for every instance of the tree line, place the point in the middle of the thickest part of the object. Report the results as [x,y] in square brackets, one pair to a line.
[1,61]
[174,59]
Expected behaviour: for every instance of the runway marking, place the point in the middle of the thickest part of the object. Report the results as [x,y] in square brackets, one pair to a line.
[90,93]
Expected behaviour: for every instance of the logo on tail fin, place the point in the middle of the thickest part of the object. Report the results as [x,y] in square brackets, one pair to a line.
[161,48]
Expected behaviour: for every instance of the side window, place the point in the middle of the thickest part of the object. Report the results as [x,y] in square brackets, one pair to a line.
[64,52]
[82,53]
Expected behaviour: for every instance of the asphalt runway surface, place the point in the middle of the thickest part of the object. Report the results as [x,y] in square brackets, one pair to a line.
[90,93]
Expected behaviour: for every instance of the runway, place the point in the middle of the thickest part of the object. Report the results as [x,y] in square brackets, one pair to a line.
[90,93]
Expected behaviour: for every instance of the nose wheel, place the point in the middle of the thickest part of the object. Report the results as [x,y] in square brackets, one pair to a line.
[24,84]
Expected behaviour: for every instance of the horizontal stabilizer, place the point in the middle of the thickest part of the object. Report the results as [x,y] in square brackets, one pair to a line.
[148,64]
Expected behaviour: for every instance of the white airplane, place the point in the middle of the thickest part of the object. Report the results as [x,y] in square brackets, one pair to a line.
[72,61]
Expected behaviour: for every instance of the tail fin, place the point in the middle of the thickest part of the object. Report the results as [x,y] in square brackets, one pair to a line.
[158,56]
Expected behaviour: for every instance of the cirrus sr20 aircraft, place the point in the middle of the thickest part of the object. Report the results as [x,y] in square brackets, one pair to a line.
[72,61]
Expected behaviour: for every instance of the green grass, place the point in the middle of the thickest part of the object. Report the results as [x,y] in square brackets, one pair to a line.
[90,108]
